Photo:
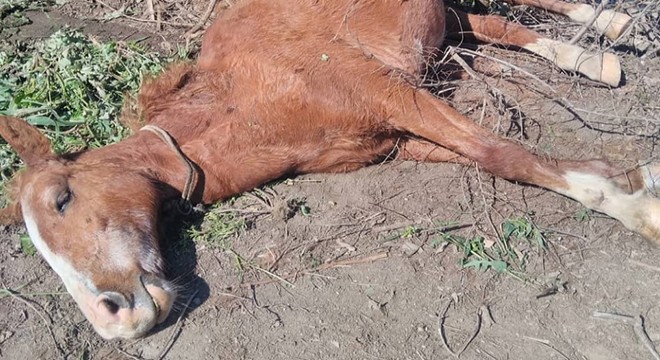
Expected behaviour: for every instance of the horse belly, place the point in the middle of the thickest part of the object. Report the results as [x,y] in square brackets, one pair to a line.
[349,155]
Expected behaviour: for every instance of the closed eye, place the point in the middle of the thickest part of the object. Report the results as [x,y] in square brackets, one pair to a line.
[63,200]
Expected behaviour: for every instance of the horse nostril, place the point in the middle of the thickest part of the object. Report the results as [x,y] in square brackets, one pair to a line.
[112,306]
[112,302]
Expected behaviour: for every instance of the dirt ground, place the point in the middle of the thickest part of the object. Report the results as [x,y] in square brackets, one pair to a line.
[360,291]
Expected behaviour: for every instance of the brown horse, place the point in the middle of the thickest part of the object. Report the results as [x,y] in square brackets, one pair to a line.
[283,87]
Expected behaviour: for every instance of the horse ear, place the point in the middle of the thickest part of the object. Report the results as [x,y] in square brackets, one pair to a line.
[30,144]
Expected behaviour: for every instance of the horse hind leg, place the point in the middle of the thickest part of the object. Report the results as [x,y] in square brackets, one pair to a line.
[611,23]
[602,67]
[426,151]
[628,196]
[625,196]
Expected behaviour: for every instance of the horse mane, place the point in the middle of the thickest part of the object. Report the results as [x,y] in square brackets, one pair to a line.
[136,113]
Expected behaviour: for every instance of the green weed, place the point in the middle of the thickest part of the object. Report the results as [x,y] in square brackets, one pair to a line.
[508,254]
[216,228]
[300,205]
[27,247]
[523,229]
[583,215]
[409,232]
[475,253]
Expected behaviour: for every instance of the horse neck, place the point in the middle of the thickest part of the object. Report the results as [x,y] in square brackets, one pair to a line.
[184,102]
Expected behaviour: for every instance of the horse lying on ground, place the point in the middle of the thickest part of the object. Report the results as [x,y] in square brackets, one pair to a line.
[283,87]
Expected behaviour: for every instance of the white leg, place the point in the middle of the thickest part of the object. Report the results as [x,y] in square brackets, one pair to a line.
[609,22]
[603,67]
[639,211]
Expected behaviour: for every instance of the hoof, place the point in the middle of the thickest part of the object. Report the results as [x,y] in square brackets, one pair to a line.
[649,224]
[646,202]
[639,211]
[610,73]
[613,24]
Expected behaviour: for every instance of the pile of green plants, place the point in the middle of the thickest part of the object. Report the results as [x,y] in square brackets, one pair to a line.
[72,87]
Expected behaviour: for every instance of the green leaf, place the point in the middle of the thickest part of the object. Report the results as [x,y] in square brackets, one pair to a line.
[483,265]
[583,215]
[27,247]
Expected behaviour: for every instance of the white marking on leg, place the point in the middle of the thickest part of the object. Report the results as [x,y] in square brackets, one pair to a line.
[638,211]
[581,13]
[603,67]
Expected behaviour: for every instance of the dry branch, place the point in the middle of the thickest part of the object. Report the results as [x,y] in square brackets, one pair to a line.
[588,24]
[637,323]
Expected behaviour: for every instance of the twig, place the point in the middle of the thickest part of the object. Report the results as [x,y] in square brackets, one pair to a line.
[16,296]
[267,272]
[546,343]
[202,20]
[273,275]
[541,341]
[241,211]
[159,19]
[560,232]
[441,328]
[510,65]
[647,266]
[233,296]
[474,334]
[637,323]
[498,236]
[353,261]
[588,24]
[8,292]
[459,60]
[130,356]
[145,20]
[560,99]
[384,228]
[47,321]
[150,10]
[330,265]
[177,328]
